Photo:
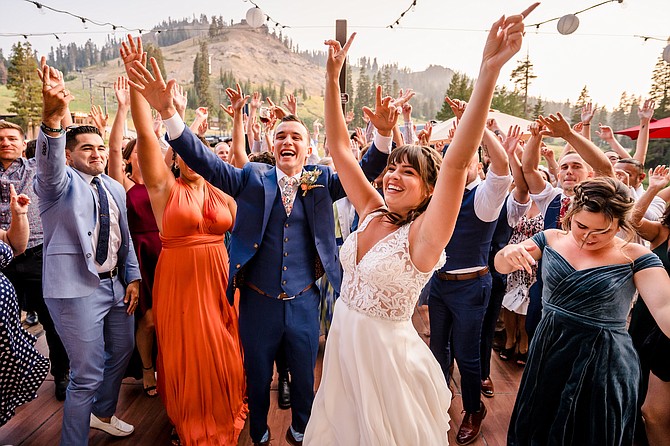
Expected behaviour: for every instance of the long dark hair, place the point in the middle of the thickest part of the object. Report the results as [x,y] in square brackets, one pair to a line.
[127,151]
[426,161]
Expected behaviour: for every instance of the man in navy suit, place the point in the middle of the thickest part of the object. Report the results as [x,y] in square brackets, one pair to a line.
[90,276]
[283,240]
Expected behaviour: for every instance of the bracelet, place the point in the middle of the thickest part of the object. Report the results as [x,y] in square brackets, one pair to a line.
[46,128]
[21,213]
[585,124]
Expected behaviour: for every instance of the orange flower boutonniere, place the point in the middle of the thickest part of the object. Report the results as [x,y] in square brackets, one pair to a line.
[308,180]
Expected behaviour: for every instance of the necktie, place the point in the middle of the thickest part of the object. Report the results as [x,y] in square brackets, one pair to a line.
[103,218]
[565,204]
[288,187]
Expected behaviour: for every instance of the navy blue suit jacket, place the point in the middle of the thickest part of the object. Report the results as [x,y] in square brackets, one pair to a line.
[254,188]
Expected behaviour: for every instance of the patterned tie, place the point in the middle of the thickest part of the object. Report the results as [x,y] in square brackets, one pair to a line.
[103,217]
[289,187]
[565,204]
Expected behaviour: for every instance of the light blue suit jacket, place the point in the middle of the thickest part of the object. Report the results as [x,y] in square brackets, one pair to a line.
[68,211]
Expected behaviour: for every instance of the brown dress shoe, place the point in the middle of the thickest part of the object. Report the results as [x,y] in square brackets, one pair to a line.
[265,443]
[471,426]
[291,440]
[487,387]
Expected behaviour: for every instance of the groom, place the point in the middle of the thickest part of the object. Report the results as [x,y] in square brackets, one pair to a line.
[283,240]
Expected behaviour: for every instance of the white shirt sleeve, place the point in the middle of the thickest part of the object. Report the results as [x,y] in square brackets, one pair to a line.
[490,196]
[383,143]
[516,210]
[543,199]
[174,126]
[655,210]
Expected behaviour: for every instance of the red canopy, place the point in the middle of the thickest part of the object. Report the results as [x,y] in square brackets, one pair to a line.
[657,130]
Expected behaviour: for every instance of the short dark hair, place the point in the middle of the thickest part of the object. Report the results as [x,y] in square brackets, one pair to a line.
[10,125]
[73,132]
[294,118]
[263,157]
[638,165]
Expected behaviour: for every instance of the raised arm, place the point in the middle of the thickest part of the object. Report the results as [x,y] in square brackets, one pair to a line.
[499,161]
[359,191]
[650,230]
[234,110]
[587,116]
[558,127]
[434,228]
[18,232]
[156,175]
[605,133]
[116,166]
[645,113]
[530,160]
[513,150]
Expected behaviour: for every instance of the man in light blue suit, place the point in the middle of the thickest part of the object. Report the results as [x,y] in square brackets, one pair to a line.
[90,276]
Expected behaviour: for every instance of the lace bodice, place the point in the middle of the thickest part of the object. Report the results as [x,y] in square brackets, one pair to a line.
[385,284]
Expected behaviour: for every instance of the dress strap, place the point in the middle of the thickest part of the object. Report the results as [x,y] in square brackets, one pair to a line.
[369,217]
[540,240]
[649,260]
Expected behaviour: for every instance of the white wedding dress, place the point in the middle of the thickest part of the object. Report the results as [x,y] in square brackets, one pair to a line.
[381,385]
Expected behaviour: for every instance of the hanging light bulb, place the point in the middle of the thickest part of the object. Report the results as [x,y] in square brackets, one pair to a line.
[83,21]
[568,24]
[414,6]
[40,9]
[255,17]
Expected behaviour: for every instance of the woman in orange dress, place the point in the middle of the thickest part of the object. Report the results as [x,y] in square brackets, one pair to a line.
[200,371]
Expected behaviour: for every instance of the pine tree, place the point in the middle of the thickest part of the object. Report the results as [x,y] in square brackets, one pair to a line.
[3,68]
[201,77]
[349,87]
[363,97]
[660,88]
[460,87]
[583,99]
[155,52]
[507,102]
[538,109]
[522,76]
[23,81]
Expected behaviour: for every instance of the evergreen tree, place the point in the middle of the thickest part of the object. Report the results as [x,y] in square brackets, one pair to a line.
[460,87]
[201,77]
[538,109]
[507,102]
[522,76]
[619,116]
[349,87]
[363,96]
[3,68]
[581,102]
[660,88]
[23,81]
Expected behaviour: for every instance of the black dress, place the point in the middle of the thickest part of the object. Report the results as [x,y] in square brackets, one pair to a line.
[22,368]
[580,384]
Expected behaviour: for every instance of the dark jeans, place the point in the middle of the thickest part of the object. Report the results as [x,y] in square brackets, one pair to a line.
[499,284]
[457,310]
[25,273]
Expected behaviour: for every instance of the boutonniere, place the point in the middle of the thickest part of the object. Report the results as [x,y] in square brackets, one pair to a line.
[308,180]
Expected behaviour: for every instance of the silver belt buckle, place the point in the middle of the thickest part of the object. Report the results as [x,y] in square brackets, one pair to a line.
[284,296]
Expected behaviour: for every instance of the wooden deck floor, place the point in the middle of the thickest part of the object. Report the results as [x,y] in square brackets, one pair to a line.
[38,422]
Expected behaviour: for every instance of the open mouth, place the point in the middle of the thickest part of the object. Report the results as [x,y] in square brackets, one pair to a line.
[393,188]
[287,153]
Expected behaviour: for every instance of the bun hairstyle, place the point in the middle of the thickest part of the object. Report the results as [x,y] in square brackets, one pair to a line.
[426,161]
[604,195]
[127,151]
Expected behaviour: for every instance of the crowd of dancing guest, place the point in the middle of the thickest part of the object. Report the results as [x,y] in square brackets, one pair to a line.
[220,265]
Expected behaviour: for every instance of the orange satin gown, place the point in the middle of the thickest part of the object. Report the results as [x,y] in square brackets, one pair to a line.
[200,372]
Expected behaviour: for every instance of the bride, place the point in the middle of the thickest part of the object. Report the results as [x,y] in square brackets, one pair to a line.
[381,384]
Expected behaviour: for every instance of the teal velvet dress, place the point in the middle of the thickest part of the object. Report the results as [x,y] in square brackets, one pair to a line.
[580,384]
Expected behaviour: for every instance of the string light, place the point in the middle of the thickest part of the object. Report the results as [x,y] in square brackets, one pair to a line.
[411,7]
[537,25]
[268,18]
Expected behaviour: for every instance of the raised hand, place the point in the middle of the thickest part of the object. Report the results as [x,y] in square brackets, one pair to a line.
[122,92]
[201,113]
[159,95]
[276,110]
[385,115]
[425,134]
[511,142]
[316,126]
[291,104]
[349,117]
[256,129]
[659,177]
[157,125]
[99,119]
[452,130]
[237,101]
[55,98]
[336,56]
[604,132]
[360,137]
[18,203]
[180,99]
[646,110]
[587,113]
[578,127]
[202,128]
[255,101]
[556,126]
[504,39]
[407,112]
[56,75]
[404,97]
[547,152]
[457,106]
[131,52]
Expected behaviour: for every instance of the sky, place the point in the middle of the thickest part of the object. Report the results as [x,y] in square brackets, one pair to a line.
[602,54]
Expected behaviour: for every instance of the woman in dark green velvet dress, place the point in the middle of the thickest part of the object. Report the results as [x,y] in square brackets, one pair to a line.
[580,384]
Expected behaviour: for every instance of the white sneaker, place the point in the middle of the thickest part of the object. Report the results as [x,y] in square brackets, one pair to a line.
[115,427]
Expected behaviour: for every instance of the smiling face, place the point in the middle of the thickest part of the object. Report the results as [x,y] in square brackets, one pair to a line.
[223,151]
[291,144]
[593,230]
[403,187]
[88,154]
[572,171]
[12,145]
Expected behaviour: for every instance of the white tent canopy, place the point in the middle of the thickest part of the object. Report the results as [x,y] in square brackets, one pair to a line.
[505,121]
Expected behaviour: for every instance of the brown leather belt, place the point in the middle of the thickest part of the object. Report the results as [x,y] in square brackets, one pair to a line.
[109,274]
[464,276]
[280,296]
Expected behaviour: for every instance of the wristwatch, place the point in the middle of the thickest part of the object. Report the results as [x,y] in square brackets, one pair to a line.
[45,128]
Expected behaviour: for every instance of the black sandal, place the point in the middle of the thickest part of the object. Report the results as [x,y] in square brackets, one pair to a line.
[149,389]
[174,437]
[506,353]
